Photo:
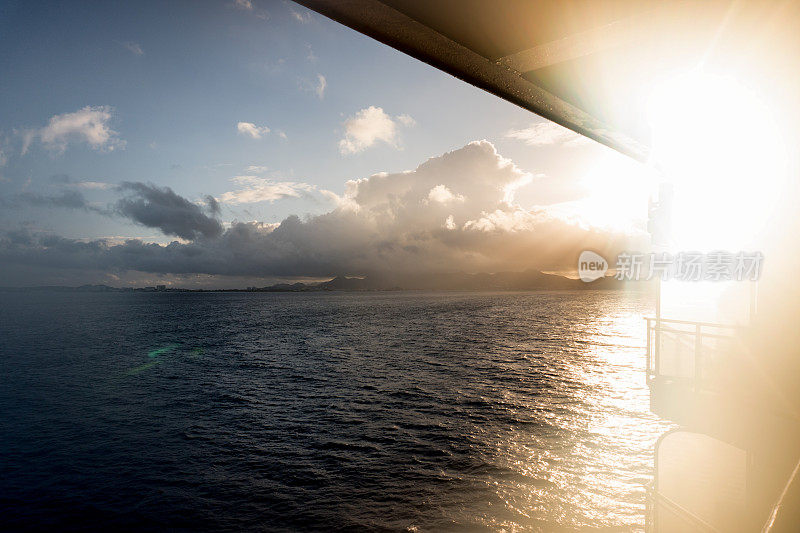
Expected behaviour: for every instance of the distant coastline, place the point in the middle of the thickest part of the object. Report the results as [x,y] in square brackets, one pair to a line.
[458,281]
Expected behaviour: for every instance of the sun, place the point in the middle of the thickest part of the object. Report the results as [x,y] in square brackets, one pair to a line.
[716,141]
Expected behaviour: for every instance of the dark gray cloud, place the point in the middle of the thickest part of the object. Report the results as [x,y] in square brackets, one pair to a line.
[161,208]
[213,205]
[145,204]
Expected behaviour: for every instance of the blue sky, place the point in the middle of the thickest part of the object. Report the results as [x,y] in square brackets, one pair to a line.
[165,86]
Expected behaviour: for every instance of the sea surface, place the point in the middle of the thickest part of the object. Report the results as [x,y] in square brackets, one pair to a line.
[384,411]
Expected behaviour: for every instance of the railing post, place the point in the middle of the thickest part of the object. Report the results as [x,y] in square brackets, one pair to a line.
[647,367]
[698,360]
[657,351]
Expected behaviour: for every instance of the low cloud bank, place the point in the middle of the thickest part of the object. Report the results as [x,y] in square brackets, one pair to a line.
[455,212]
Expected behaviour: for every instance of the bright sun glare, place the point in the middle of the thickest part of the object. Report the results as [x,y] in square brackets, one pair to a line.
[716,141]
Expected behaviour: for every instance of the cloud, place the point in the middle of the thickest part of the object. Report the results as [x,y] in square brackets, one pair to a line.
[251,130]
[144,204]
[547,133]
[316,85]
[132,47]
[255,189]
[3,157]
[67,181]
[66,199]
[369,126]
[213,205]
[89,125]
[453,212]
[256,169]
[443,195]
[161,208]
[303,17]
[321,84]
[27,135]
[406,120]
[249,7]
[99,185]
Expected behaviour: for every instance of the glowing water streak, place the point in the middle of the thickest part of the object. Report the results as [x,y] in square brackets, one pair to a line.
[154,355]
[159,351]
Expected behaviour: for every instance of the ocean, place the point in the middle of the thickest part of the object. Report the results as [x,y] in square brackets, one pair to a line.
[325,411]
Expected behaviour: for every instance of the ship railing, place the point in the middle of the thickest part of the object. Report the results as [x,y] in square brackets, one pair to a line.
[693,352]
[657,504]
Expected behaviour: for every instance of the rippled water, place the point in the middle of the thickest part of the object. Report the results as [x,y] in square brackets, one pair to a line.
[325,411]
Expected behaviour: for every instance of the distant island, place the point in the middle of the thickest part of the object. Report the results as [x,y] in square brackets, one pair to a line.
[457,281]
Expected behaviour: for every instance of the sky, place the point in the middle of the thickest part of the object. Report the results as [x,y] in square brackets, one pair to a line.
[231,143]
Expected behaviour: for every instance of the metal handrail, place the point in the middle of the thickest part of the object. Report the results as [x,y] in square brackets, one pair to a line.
[694,333]
[658,326]
[694,323]
[682,512]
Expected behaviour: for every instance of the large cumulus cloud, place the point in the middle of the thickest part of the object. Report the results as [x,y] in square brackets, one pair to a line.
[453,212]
